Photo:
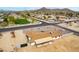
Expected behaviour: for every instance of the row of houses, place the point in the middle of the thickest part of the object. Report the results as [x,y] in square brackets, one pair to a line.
[56,17]
[52,17]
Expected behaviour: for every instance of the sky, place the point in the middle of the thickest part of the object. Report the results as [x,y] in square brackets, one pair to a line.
[33,8]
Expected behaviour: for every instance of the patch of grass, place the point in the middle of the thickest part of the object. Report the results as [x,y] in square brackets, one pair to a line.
[22,21]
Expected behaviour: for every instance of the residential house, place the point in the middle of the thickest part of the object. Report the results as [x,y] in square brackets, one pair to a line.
[40,37]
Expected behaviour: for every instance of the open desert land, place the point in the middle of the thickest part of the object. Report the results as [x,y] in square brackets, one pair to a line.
[66,43]
[72,26]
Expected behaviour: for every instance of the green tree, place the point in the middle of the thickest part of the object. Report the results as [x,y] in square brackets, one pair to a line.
[11,20]
[5,20]
[57,18]
[28,14]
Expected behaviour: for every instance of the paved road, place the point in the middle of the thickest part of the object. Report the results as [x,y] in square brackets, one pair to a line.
[22,27]
[38,25]
[75,32]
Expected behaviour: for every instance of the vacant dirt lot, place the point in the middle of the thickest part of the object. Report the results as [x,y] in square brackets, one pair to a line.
[68,43]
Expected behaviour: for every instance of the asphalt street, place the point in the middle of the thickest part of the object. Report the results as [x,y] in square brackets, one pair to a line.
[37,25]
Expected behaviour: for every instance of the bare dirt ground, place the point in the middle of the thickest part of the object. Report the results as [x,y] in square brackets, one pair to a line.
[68,43]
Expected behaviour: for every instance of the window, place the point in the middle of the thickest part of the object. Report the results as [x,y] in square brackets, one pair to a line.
[24,45]
[13,34]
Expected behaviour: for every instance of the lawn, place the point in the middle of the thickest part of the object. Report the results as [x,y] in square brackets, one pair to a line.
[22,21]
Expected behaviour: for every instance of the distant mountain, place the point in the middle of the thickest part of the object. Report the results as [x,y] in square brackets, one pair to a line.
[55,9]
[43,8]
